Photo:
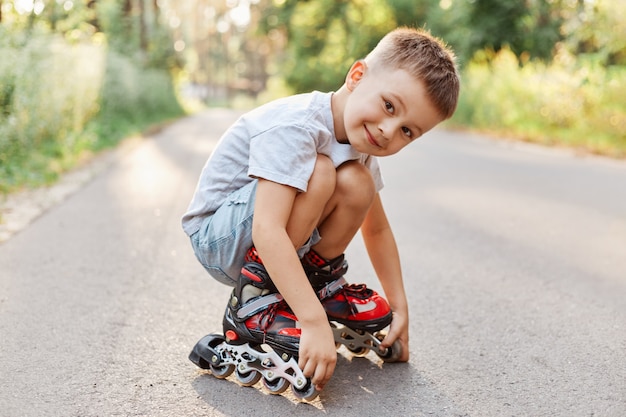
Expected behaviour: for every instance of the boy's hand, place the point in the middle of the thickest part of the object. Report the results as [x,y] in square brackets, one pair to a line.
[398,330]
[318,355]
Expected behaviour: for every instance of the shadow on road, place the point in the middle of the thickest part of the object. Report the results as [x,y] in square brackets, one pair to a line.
[360,387]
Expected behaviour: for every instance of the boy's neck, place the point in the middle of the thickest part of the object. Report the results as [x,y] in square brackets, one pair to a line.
[337,105]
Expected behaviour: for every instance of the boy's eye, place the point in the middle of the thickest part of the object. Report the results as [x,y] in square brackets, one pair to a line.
[407,132]
[389,106]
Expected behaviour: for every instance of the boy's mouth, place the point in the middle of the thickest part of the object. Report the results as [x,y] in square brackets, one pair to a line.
[370,138]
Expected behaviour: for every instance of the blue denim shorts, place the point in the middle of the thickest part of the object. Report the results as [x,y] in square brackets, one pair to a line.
[224,237]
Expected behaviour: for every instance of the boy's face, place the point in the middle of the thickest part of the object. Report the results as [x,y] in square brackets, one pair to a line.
[385,110]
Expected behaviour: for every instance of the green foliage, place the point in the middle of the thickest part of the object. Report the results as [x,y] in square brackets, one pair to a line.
[78,76]
[596,29]
[49,93]
[67,93]
[118,27]
[529,27]
[565,102]
[132,97]
[326,37]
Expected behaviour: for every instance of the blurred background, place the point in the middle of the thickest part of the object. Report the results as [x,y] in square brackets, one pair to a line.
[77,76]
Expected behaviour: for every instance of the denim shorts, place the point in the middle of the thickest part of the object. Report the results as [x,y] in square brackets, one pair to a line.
[225,236]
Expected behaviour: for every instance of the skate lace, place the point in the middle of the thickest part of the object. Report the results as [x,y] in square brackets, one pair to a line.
[359,291]
[352,291]
[267,316]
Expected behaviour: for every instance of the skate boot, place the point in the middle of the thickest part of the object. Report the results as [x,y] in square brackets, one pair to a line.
[261,338]
[356,313]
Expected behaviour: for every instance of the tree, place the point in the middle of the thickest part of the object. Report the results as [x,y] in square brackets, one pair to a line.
[325,37]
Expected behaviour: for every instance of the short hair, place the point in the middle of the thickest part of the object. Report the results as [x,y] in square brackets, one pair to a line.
[424,57]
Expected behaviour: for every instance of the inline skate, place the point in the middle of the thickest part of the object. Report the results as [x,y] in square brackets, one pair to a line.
[357,314]
[260,340]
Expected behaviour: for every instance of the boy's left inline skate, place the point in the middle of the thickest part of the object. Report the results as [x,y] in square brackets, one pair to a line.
[357,314]
[260,340]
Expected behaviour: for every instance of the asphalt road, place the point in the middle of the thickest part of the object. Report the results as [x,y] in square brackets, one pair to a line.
[514,258]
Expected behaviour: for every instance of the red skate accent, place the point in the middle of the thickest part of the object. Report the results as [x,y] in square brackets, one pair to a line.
[356,302]
[253,256]
[250,275]
[290,332]
[314,259]
[288,314]
[231,335]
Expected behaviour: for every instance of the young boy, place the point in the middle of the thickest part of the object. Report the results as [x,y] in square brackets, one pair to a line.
[299,177]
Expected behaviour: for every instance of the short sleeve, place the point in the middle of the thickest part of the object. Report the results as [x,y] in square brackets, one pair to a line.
[285,154]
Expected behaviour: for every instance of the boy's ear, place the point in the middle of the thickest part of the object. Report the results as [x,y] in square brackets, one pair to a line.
[355,74]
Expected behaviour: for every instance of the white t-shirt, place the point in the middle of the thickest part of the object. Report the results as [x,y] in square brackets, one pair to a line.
[279,142]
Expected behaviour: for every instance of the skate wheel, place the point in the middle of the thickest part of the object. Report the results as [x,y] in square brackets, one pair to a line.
[277,386]
[203,351]
[247,379]
[391,354]
[221,372]
[356,350]
[307,393]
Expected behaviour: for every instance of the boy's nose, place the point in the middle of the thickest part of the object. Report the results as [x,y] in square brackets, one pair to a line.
[386,129]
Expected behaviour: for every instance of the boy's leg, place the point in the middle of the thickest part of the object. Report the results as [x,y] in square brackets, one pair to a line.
[355,306]
[336,202]
[308,208]
[254,284]
[255,313]
[346,209]
[226,236]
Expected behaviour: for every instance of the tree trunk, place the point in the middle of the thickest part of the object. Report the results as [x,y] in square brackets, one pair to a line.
[95,21]
[143,35]
[128,8]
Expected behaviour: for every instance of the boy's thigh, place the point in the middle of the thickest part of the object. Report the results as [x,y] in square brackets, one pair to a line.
[224,237]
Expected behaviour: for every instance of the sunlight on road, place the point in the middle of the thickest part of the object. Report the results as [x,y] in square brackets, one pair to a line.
[146,172]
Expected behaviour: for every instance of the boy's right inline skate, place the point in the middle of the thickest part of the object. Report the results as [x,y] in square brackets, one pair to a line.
[356,313]
[260,339]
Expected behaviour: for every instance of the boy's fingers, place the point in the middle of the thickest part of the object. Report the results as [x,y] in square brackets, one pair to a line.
[391,337]
[322,376]
[308,368]
[319,373]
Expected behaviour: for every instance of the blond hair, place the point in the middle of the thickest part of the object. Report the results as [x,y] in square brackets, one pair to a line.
[426,58]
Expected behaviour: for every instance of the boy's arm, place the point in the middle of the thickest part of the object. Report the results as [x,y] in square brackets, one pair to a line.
[273,206]
[383,252]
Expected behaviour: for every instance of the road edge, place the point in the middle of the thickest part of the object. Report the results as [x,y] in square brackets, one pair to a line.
[21,208]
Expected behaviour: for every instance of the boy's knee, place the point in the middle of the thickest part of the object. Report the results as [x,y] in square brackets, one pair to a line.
[355,184]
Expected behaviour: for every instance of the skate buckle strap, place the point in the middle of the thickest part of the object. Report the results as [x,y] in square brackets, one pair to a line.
[331,288]
[258,304]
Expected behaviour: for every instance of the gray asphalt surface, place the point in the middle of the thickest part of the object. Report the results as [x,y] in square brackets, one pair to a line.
[514,258]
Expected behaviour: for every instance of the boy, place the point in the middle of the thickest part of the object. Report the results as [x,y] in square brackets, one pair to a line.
[299,177]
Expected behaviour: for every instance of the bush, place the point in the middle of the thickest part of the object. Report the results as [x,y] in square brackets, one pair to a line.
[569,102]
[49,92]
[132,97]
[60,100]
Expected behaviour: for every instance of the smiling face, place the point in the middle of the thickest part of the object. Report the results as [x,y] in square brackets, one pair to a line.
[385,110]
